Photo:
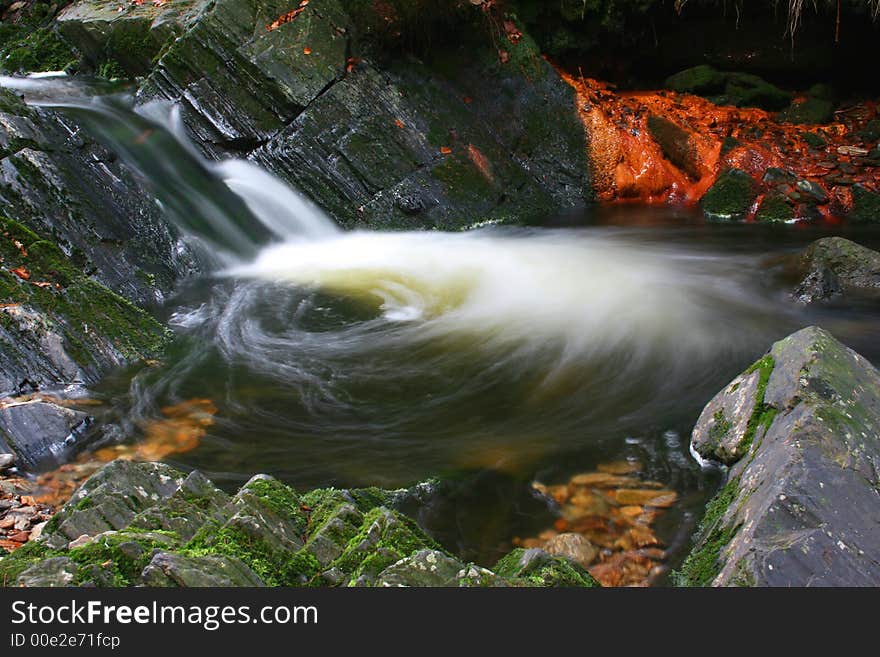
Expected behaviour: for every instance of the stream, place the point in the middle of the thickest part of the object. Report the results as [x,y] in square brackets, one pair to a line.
[492,357]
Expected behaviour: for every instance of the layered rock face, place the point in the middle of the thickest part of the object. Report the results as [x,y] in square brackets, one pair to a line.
[147,524]
[83,249]
[800,432]
[459,138]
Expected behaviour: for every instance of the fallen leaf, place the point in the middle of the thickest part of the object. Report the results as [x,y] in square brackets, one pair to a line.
[400,124]
[445,150]
[307,51]
[22,273]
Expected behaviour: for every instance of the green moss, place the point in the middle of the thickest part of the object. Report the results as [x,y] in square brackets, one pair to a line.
[731,197]
[763,414]
[12,565]
[703,563]
[462,180]
[866,205]
[811,111]
[275,567]
[85,312]
[110,69]
[775,208]
[36,50]
[542,570]
[118,559]
[720,427]
[699,80]
[385,537]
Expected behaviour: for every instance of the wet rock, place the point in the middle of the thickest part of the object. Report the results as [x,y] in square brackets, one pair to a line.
[801,503]
[41,434]
[125,37]
[677,145]
[573,546]
[169,569]
[747,90]
[731,197]
[834,266]
[775,176]
[6,461]
[813,190]
[775,208]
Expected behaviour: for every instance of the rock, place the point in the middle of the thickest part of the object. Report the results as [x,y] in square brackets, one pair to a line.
[169,569]
[266,534]
[424,568]
[810,111]
[41,434]
[127,37]
[112,497]
[866,205]
[677,145]
[833,266]
[573,546]
[747,90]
[7,461]
[702,80]
[802,502]
[731,197]
[775,208]
[813,190]
[51,573]
[536,567]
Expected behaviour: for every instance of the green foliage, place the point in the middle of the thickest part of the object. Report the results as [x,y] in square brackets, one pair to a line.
[29,42]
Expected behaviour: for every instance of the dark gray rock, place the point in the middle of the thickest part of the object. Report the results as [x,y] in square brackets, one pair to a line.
[834,266]
[801,505]
[41,434]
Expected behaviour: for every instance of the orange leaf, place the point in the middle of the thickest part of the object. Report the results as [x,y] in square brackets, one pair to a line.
[22,273]
[445,150]
[399,123]
[307,51]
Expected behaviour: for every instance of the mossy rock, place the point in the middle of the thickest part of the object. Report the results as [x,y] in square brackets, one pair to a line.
[775,209]
[731,197]
[866,205]
[537,568]
[702,80]
[747,90]
[811,111]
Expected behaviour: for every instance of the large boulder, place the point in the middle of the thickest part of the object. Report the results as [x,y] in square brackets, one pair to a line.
[800,432]
[145,524]
[835,266]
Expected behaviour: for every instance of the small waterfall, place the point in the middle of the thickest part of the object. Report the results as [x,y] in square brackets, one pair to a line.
[232,206]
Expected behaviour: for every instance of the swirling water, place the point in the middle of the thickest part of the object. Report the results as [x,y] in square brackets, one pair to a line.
[493,356]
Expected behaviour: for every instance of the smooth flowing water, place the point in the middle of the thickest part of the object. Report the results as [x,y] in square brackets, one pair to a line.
[491,357]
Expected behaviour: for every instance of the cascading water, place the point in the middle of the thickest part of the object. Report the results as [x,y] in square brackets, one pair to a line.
[386,358]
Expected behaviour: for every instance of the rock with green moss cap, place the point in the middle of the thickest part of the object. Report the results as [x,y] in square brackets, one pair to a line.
[145,524]
[731,197]
[537,568]
[799,432]
[775,209]
[702,80]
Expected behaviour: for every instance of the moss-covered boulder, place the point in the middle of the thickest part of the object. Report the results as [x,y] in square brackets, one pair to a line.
[809,111]
[835,266]
[799,431]
[29,41]
[135,524]
[729,88]
[677,145]
[731,197]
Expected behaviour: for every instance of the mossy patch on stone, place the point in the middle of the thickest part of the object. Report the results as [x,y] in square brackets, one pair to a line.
[731,197]
[775,208]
